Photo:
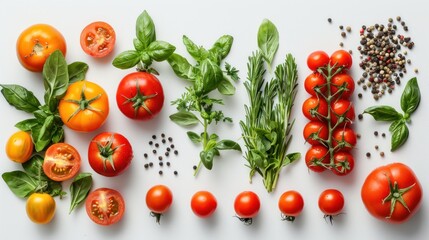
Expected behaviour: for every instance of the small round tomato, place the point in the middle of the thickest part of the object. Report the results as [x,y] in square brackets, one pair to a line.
[344,163]
[341,58]
[317,59]
[343,139]
[342,112]
[342,85]
[315,133]
[110,154]
[159,199]
[392,193]
[98,39]
[315,84]
[40,208]
[246,206]
[105,206]
[84,107]
[315,109]
[19,147]
[331,202]
[62,162]
[203,204]
[316,158]
[140,96]
[291,204]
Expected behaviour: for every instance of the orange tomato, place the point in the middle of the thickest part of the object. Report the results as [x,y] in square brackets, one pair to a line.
[19,147]
[40,208]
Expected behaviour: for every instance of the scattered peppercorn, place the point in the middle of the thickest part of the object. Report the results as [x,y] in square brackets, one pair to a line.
[194,167]
[170,139]
[154,151]
[383,135]
[172,145]
[160,172]
[175,172]
[163,141]
[348,29]
[146,165]
[341,27]
[168,163]
[368,154]
[150,164]
[343,34]
[161,164]
[156,144]
[376,133]
[382,154]
[166,154]
[150,143]
[376,147]
[160,158]
[360,116]
[168,149]
[358,135]
[162,135]
[176,152]
[145,155]
[359,95]
[153,136]
[329,20]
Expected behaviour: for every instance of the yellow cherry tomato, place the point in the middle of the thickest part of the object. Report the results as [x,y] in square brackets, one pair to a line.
[19,147]
[40,208]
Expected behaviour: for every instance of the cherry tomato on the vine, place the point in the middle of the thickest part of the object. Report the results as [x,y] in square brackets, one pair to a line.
[98,39]
[291,204]
[246,206]
[316,132]
[344,163]
[62,162]
[344,139]
[331,202]
[315,109]
[341,58]
[159,199]
[344,83]
[19,147]
[342,110]
[203,204]
[40,208]
[315,83]
[105,206]
[316,157]
[317,59]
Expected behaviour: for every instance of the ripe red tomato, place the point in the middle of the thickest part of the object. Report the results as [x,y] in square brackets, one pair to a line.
[246,206]
[62,162]
[317,59]
[105,206]
[344,83]
[344,139]
[343,111]
[159,199]
[36,43]
[203,204]
[291,204]
[315,84]
[392,193]
[344,163]
[110,154]
[331,202]
[140,96]
[341,58]
[98,39]
[315,131]
[315,109]
[316,157]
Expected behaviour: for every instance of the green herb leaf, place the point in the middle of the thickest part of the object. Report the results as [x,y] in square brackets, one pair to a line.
[77,71]
[198,53]
[181,67]
[226,88]
[383,113]
[222,46]
[43,136]
[79,189]
[27,125]
[145,29]
[160,50]
[232,72]
[228,145]
[55,79]
[268,40]
[206,158]
[20,98]
[292,157]
[127,59]
[55,189]
[20,183]
[184,118]
[138,45]
[58,135]
[410,98]
[34,168]
[399,136]
[212,75]
[195,138]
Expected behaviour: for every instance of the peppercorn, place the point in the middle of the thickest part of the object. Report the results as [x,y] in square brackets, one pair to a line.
[176,152]
[160,158]
[154,151]
[150,142]
[156,144]
[194,167]
[360,116]
[153,136]
[172,145]
[160,172]
[168,163]
[163,141]
[343,34]
[166,154]
[382,154]
[359,95]
[175,172]
[358,136]
[376,133]
[150,164]
[161,164]
[329,20]
[383,135]
[348,29]
[376,147]
[146,165]
[170,139]
[341,27]
[368,154]
[162,135]
[145,155]
[168,149]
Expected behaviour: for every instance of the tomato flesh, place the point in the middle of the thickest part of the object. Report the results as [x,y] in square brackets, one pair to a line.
[98,39]
[62,162]
[105,206]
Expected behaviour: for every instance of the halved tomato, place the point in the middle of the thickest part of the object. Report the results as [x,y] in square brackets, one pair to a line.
[105,206]
[98,39]
[62,162]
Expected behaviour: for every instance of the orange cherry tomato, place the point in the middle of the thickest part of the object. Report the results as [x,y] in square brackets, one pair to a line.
[19,147]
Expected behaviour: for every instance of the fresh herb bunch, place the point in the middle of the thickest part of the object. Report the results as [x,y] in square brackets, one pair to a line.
[410,100]
[267,127]
[205,76]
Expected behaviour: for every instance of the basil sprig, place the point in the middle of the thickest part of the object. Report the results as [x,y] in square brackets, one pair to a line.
[410,101]
[79,189]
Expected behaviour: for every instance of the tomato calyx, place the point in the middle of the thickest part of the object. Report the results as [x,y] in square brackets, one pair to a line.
[395,195]
[287,218]
[84,104]
[106,151]
[157,216]
[139,100]
[246,221]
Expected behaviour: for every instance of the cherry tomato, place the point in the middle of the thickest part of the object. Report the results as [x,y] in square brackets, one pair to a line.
[36,43]
[344,163]
[331,202]
[19,147]
[343,139]
[341,58]
[317,59]
[315,84]
[342,110]
[291,204]
[392,193]
[40,208]
[84,107]
[344,83]
[247,206]
[315,131]
[110,154]
[105,206]
[62,162]
[316,157]
[140,96]
[98,39]
[203,204]
[315,109]
[159,199]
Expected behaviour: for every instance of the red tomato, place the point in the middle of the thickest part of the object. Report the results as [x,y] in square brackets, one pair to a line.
[316,157]
[331,202]
[341,58]
[159,199]
[105,206]
[203,204]
[36,43]
[344,163]
[98,39]
[291,204]
[140,96]
[315,84]
[317,59]
[110,154]
[343,139]
[342,85]
[343,111]
[315,109]
[247,206]
[315,132]
[392,193]
[62,162]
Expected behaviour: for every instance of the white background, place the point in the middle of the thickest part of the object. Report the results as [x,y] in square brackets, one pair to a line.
[303,28]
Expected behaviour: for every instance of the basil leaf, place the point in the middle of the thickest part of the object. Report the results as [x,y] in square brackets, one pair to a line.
[410,98]
[160,50]
[20,183]
[184,118]
[212,75]
[292,157]
[34,168]
[138,45]
[195,138]
[145,29]
[58,135]
[395,125]
[207,158]
[77,71]
[198,53]
[27,125]
[55,189]
[222,46]
[55,79]
[226,88]
[79,189]
[268,40]
[383,113]
[127,59]
[181,67]
[228,145]
[399,136]
[43,135]
[20,98]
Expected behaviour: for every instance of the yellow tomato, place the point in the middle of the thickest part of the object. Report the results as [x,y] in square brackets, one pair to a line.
[19,147]
[40,208]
